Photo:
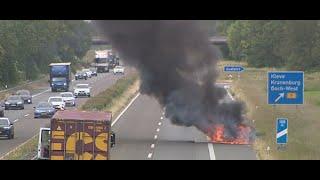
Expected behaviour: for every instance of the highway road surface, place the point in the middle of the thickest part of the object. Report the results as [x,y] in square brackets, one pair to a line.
[143,133]
[26,126]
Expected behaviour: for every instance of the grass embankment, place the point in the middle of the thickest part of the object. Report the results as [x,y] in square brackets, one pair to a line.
[303,141]
[25,151]
[116,97]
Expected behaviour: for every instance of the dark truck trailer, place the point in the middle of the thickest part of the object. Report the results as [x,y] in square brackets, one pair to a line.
[60,76]
[79,135]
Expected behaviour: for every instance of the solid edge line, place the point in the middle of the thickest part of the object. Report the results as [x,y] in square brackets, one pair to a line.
[125,109]
[14,149]
[211,152]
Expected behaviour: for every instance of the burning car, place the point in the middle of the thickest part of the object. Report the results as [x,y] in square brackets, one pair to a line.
[242,134]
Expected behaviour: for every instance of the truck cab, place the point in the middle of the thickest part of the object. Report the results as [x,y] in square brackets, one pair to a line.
[60,76]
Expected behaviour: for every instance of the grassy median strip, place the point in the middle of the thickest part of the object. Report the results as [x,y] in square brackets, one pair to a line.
[303,143]
[115,98]
[25,151]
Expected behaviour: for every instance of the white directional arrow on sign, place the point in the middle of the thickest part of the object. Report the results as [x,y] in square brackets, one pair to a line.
[281,95]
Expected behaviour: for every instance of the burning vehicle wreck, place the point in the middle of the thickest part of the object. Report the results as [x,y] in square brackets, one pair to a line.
[220,135]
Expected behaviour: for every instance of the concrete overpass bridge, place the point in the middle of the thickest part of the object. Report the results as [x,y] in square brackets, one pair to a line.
[216,40]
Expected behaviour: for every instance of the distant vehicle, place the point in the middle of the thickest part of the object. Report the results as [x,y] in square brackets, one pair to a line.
[94,132]
[81,75]
[94,71]
[25,95]
[1,109]
[101,61]
[6,128]
[57,102]
[60,76]
[82,90]
[44,109]
[14,102]
[68,98]
[118,70]
[89,73]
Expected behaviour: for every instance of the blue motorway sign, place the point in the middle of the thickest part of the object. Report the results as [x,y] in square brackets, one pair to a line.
[282,131]
[286,88]
[235,69]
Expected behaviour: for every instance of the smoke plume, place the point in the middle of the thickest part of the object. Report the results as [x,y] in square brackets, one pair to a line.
[178,67]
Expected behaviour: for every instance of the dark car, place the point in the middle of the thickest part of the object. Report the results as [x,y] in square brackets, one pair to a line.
[81,75]
[14,102]
[25,95]
[94,71]
[44,109]
[6,128]
[1,109]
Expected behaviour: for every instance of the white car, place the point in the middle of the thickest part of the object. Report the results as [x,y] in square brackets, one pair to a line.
[118,70]
[68,98]
[57,102]
[82,90]
[88,71]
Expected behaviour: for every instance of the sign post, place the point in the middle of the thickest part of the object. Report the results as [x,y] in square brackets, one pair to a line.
[282,132]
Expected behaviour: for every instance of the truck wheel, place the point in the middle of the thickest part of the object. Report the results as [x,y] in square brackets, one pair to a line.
[2,114]
[12,136]
[22,107]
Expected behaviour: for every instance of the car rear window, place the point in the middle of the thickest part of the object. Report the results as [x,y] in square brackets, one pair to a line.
[23,93]
[14,98]
[82,86]
[55,99]
[4,122]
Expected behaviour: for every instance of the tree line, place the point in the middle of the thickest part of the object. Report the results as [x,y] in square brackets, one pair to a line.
[293,44]
[28,46]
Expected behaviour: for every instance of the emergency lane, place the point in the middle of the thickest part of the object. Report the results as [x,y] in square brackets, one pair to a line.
[143,133]
[26,126]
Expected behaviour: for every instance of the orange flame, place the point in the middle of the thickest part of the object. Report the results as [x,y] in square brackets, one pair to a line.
[243,135]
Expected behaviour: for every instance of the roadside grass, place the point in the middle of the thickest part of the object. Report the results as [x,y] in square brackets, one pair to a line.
[116,97]
[25,152]
[303,141]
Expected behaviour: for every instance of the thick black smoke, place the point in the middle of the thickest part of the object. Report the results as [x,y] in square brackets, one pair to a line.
[178,67]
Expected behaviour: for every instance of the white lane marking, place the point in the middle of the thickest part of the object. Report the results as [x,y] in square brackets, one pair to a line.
[229,94]
[211,152]
[41,93]
[34,157]
[16,120]
[159,123]
[152,146]
[155,136]
[149,155]
[125,109]
[210,145]
[26,115]
[161,118]
[158,130]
